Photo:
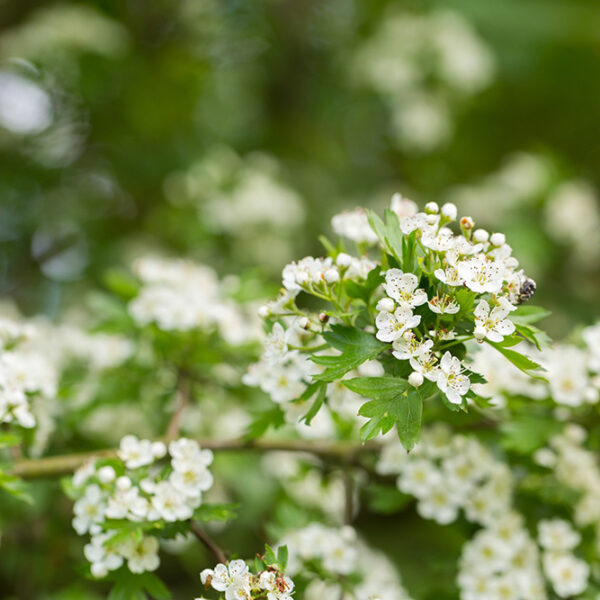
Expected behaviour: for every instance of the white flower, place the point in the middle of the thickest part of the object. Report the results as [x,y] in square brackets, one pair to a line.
[403,207]
[450,379]
[169,503]
[439,241]
[426,364]
[102,560]
[193,480]
[591,336]
[449,275]
[89,510]
[124,502]
[234,579]
[481,274]
[567,574]
[187,454]
[409,346]
[557,535]
[493,324]
[439,505]
[402,287]
[391,326]
[141,555]
[418,478]
[307,271]
[443,306]
[354,225]
[278,587]
[135,453]
[567,374]
[276,345]
[14,407]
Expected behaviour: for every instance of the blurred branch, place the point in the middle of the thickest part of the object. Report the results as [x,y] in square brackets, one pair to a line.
[209,543]
[338,452]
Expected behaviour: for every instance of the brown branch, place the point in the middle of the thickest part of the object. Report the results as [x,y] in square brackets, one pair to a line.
[337,452]
[209,543]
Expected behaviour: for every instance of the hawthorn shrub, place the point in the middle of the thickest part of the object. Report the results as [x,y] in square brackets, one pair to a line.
[400,374]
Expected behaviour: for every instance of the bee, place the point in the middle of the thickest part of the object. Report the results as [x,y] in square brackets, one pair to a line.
[526,291]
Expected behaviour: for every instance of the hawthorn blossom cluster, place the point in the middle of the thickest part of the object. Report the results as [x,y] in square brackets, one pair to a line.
[246,197]
[24,374]
[569,207]
[139,488]
[285,370]
[337,564]
[502,378]
[179,295]
[573,465]
[459,287]
[450,473]
[501,561]
[238,583]
[304,482]
[424,66]
[567,573]
[34,355]
[572,372]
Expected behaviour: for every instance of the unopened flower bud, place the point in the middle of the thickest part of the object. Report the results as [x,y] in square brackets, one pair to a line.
[415,379]
[466,223]
[343,259]
[264,311]
[331,276]
[323,317]
[123,483]
[386,305]
[481,235]
[497,239]
[431,208]
[159,449]
[304,323]
[449,210]
[106,474]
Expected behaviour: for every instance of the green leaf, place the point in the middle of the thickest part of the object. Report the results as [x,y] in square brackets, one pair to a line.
[16,487]
[525,434]
[216,512]
[527,314]
[364,291]
[273,417]
[356,347]
[155,587]
[389,232]
[270,557]
[394,401]
[534,335]
[386,499]
[9,439]
[282,556]
[317,403]
[409,421]
[520,361]
[121,283]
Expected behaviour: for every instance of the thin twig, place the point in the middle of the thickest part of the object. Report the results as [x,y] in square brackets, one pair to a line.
[209,543]
[337,452]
